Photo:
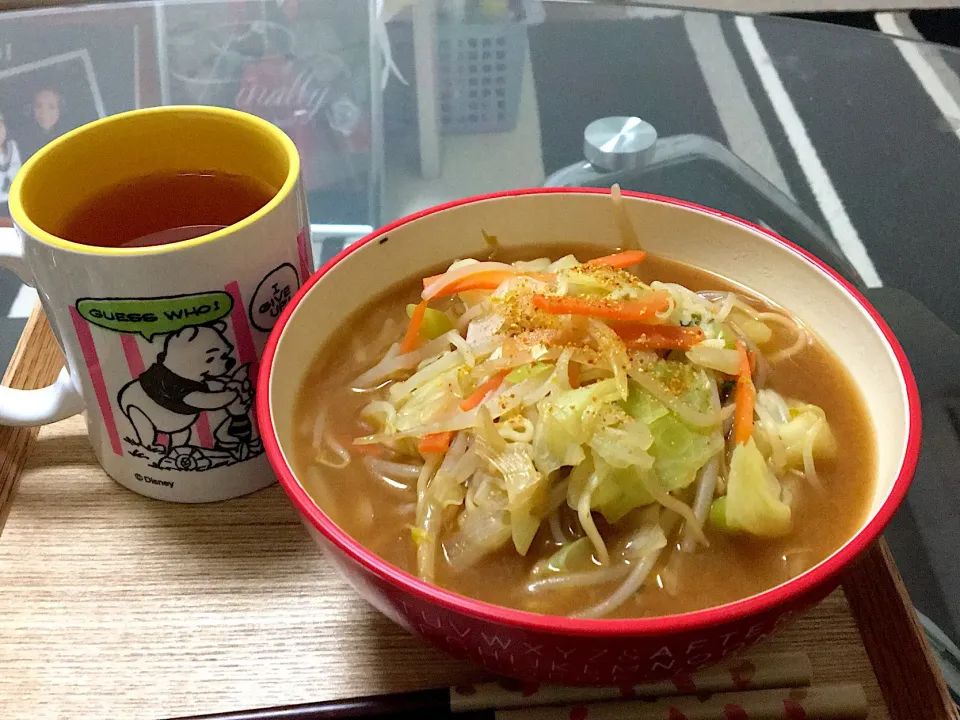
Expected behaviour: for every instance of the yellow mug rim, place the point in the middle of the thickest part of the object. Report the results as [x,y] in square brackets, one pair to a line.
[24,222]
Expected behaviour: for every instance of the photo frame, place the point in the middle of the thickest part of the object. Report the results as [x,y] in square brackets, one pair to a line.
[91,63]
[304,67]
[61,92]
[63,68]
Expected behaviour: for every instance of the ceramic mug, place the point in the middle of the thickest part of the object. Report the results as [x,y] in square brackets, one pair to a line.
[161,343]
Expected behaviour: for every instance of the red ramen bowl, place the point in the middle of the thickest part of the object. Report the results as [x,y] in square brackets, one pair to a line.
[577,651]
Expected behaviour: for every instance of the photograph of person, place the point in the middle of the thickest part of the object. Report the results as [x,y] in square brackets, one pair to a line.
[47,120]
[44,99]
[9,159]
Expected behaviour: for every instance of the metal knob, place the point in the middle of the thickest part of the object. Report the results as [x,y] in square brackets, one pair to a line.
[618,143]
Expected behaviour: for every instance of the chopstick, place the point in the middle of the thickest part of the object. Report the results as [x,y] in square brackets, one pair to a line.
[396,706]
[740,676]
[823,702]
[781,670]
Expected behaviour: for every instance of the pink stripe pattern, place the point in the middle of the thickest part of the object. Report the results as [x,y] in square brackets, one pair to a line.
[304,250]
[246,350]
[131,351]
[202,427]
[92,361]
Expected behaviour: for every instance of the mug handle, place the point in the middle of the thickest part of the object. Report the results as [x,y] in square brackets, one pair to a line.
[24,408]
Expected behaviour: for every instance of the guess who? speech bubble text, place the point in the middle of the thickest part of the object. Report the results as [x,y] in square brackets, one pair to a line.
[155,316]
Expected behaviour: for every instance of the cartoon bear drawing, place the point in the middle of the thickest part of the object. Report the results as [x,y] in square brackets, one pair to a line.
[186,380]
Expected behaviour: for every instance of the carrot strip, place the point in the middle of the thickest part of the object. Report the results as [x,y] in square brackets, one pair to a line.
[573,374]
[745,398]
[412,335]
[435,442]
[744,360]
[639,336]
[481,392]
[490,280]
[464,271]
[371,450]
[623,259]
[625,311]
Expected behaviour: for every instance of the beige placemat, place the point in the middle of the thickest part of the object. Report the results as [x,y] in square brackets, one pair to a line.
[113,605]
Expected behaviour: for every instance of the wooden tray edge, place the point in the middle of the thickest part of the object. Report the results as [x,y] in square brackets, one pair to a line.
[909,678]
[35,363]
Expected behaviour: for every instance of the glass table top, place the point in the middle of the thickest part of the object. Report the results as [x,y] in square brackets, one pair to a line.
[845,141]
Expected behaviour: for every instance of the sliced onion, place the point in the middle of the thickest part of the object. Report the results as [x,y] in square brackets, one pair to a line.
[377,408]
[472,313]
[722,360]
[728,302]
[769,427]
[483,531]
[774,403]
[460,344]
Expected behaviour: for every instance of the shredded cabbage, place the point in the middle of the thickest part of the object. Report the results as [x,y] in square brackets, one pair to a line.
[803,420]
[428,400]
[752,327]
[678,449]
[620,492]
[530,370]
[794,433]
[435,323]
[623,445]
[568,420]
[752,503]
[482,531]
[514,405]
[575,556]
[526,490]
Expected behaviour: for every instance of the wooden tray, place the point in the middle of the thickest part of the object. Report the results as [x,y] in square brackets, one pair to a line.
[116,606]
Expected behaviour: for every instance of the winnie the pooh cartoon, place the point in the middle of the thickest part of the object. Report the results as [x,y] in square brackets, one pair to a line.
[188,378]
[235,432]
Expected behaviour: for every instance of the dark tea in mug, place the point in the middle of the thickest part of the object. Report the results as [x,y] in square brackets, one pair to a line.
[165,208]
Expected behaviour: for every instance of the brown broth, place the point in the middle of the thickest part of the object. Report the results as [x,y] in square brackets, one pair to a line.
[165,208]
[733,567]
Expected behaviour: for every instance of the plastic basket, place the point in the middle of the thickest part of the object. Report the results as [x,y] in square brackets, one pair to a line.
[479,76]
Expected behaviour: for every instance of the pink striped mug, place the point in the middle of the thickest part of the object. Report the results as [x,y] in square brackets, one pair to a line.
[162,343]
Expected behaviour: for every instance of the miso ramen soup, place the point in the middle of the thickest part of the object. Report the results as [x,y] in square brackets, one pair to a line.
[586,435]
